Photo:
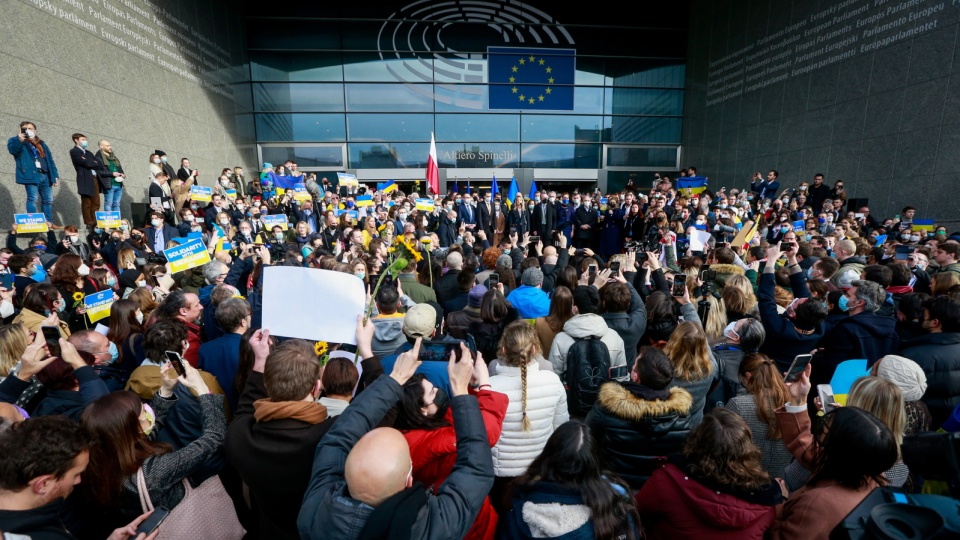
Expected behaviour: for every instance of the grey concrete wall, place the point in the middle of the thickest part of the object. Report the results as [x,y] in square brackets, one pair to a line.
[862,90]
[144,74]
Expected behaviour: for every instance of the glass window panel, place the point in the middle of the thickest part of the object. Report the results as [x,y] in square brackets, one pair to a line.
[661,157]
[647,101]
[301,127]
[369,67]
[643,129]
[296,66]
[305,156]
[298,97]
[644,72]
[586,100]
[293,34]
[558,128]
[479,155]
[389,98]
[390,127]
[478,127]
[565,156]
[461,98]
[388,155]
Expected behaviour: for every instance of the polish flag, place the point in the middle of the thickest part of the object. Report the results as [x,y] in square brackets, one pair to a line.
[433,173]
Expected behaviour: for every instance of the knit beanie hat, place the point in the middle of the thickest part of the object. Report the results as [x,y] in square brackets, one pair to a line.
[906,374]
[532,277]
[505,261]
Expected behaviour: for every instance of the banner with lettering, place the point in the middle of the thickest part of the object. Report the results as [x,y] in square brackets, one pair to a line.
[189,255]
[98,304]
[108,220]
[201,193]
[30,223]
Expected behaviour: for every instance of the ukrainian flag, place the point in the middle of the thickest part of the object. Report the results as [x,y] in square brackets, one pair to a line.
[691,185]
[364,200]
[387,187]
[512,192]
[425,205]
[923,225]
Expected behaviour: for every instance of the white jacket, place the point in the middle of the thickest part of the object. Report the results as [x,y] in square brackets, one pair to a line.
[546,409]
[581,326]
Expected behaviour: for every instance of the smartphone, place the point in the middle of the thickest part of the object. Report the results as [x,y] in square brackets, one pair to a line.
[494,279]
[534,240]
[679,284]
[592,269]
[708,275]
[903,252]
[6,281]
[472,344]
[618,373]
[51,334]
[826,397]
[439,351]
[151,523]
[513,230]
[615,267]
[797,367]
[176,361]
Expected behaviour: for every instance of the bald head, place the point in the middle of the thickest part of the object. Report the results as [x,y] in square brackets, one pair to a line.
[549,251]
[378,466]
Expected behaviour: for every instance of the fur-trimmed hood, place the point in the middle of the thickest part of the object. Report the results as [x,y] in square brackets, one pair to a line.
[620,402]
[730,269]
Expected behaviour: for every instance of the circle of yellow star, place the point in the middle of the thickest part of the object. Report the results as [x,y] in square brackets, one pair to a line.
[549,90]
[541,61]
[512,79]
[550,80]
[540,97]
[549,69]
[514,68]
[522,61]
[531,101]
[514,89]
[522,97]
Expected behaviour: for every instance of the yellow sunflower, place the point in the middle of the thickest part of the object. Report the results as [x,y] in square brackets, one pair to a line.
[321,348]
[425,240]
[77,296]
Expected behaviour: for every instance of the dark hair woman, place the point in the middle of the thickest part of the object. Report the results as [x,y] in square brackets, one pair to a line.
[561,311]
[426,421]
[122,426]
[70,277]
[495,314]
[848,457]
[126,334]
[716,489]
[566,493]
[39,302]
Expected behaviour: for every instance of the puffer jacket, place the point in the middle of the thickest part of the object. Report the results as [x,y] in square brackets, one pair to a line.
[724,272]
[531,302]
[635,433]
[673,504]
[546,409]
[582,326]
[939,357]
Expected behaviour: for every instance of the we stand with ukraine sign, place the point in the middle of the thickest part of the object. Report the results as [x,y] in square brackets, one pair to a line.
[98,305]
[190,255]
[108,220]
[30,223]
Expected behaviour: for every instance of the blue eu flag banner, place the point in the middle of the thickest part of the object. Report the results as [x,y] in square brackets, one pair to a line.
[531,78]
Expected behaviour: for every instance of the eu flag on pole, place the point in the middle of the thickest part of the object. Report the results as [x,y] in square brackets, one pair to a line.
[531,78]
[494,189]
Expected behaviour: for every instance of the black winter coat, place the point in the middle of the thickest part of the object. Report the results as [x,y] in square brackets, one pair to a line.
[635,433]
[864,335]
[939,357]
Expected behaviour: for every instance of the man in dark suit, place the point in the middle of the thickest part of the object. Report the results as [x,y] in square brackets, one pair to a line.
[213,211]
[466,212]
[88,184]
[485,215]
[544,219]
[185,172]
[584,221]
[159,233]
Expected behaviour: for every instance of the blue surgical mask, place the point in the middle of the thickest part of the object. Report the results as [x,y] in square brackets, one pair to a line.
[39,274]
[114,353]
[41,247]
[566,200]
[63,305]
[842,304]
[98,230]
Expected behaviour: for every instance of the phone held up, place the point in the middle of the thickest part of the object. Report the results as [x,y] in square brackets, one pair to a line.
[51,334]
[679,284]
[799,364]
[176,361]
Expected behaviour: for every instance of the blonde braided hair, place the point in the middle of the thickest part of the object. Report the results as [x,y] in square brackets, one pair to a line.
[518,344]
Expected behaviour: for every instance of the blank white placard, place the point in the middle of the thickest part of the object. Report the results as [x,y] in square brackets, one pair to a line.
[309,303]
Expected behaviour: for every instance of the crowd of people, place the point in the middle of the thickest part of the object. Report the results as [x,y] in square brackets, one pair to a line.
[616,361]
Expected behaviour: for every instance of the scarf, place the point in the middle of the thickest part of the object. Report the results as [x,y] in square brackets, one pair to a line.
[111,161]
[38,144]
[394,518]
[645,393]
[310,412]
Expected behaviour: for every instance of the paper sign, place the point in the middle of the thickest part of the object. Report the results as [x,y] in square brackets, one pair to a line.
[364,201]
[270,220]
[745,235]
[231,193]
[108,220]
[799,226]
[347,180]
[300,193]
[201,193]
[98,304]
[425,205]
[30,223]
[698,240]
[189,255]
[312,287]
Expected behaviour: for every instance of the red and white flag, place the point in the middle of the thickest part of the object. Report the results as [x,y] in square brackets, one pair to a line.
[433,172]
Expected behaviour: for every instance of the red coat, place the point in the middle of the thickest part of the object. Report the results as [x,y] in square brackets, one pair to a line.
[674,506]
[434,453]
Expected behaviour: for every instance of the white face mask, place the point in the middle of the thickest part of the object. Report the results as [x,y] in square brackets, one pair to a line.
[139,316]
[84,270]
[729,331]
[31,133]
[156,222]
[156,161]
[189,218]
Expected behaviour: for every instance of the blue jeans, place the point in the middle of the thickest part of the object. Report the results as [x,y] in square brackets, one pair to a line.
[111,199]
[45,190]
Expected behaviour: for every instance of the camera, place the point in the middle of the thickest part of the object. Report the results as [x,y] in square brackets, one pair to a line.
[156,258]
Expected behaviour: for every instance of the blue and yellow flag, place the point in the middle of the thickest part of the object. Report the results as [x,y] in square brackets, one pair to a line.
[531,78]
[691,185]
[364,200]
[387,187]
[512,192]
[923,225]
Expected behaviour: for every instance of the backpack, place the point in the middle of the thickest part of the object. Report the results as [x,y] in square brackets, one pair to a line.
[588,367]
